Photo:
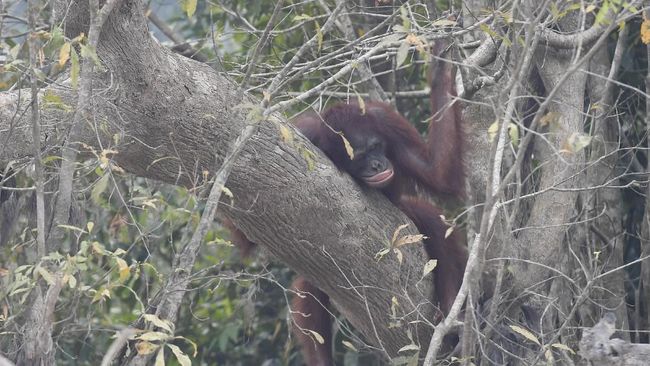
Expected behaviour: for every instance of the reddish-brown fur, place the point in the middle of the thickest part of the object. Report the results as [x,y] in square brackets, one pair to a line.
[434,165]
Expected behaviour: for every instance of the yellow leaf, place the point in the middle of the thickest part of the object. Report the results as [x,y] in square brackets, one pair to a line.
[287,134]
[123,269]
[98,248]
[145,348]
[576,142]
[549,118]
[492,131]
[225,190]
[416,41]
[64,54]
[89,226]
[100,295]
[309,157]
[645,31]
[189,7]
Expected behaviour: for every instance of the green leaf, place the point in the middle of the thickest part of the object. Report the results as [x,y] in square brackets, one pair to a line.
[406,21]
[189,7]
[74,68]
[513,131]
[602,15]
[47,276]
[99,188]
[89,52]
[319,36]
[402,53]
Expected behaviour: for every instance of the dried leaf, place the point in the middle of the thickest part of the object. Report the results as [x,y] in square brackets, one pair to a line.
[160,357]
[349,346]
[429,266]
[64,54]
[449,231]
[317,336]
[525,333]
[400,256]
[408,239]
[576,142]
[145,348]
[645,31]
[348,148]
[563,347]
[154,336]
[396,233]
[182,358]
[160,323]
[410,347]
[287,134]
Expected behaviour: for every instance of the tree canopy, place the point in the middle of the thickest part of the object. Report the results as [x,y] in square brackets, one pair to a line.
[128,130]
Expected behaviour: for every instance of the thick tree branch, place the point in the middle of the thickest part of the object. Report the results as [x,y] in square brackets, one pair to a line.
[175,118]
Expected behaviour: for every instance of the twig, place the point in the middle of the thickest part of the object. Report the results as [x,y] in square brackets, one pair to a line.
[261,44]
[84,111]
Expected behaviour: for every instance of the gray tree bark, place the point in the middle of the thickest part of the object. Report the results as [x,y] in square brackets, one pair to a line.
[175,118]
